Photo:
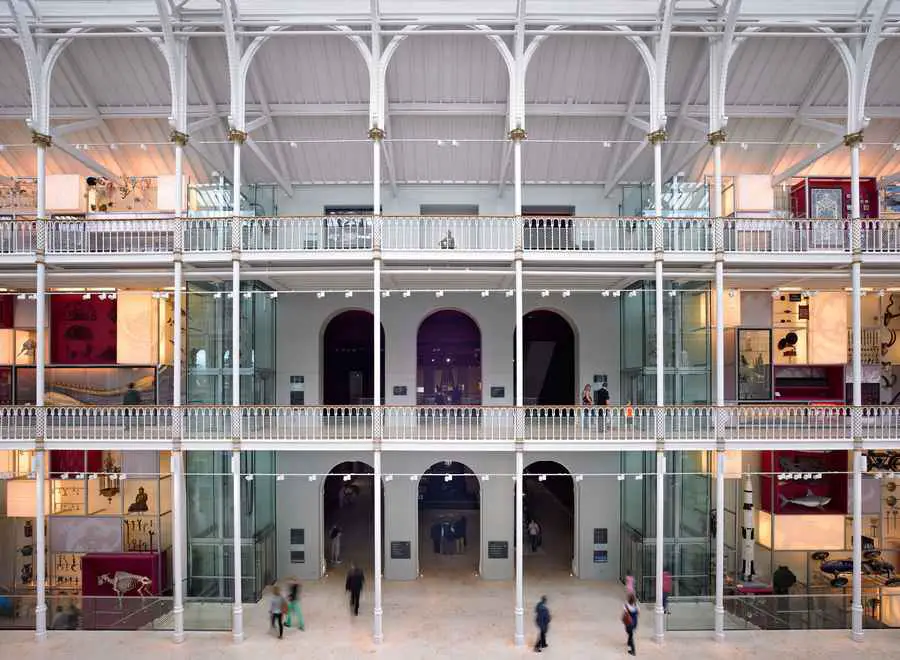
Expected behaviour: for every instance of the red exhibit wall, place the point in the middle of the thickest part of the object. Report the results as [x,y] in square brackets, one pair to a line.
[833,484]
[82,331]
[7,311]
[868,195]
[829,389]
[75,461]
[103,613]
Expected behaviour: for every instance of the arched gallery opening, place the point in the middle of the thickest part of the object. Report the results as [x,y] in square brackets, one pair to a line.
[449,519]
[348,507]
[549,492]
[549,348]
[448,360]
[348,364]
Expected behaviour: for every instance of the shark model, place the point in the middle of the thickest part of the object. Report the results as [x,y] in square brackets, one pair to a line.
[810,500]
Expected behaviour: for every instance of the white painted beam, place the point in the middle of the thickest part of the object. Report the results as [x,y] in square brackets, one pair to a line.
[85,160]
[611,185]
[279,176]
[796,168]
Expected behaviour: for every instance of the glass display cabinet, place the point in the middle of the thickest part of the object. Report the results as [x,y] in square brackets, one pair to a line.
[748,364]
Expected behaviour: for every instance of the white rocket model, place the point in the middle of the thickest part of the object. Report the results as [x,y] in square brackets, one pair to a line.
[748,533]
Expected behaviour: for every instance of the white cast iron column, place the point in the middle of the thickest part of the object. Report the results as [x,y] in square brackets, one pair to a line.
[377,136]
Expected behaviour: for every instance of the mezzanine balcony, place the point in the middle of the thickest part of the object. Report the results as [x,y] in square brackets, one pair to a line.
[486,428]
[156,238]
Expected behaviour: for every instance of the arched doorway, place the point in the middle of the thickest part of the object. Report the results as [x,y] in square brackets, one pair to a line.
[449,519]
[549,492]
[348,351]
[550,369]
[448,360]
[348,505]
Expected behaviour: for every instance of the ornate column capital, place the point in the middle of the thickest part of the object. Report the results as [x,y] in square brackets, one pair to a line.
[39,139]
[518,134]
[179,138]
[716,137]
[853,139]
[658,136]
[237,136]
[377,134]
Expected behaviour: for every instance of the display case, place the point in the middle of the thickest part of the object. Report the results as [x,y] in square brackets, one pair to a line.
[749,361]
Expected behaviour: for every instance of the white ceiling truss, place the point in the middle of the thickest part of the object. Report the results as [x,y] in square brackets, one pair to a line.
[446,80]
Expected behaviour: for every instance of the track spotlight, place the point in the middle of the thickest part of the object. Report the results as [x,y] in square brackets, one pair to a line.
[616,294]
[348,294]
[86,296]
[407,293]
[638,477]
[273,295]
[448,477]
[217,295]
[320,295]
[64,476]
[620,477]
[280,477]
[604,293]
[510,293]
[385,294]
[438,294]
[566,293]
[485,477]
[632,294]
[348,477]
[388,477]
[485,293]
[542,477]
[672,293]
[21,296]
[579,478]
[545,294]
[312,477]
[247,295]
[413,477]
[731,293]
[248,477]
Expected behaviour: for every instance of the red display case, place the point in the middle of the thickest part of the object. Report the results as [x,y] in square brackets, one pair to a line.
[75,461]
[798,496]
[802,193]
[146,577]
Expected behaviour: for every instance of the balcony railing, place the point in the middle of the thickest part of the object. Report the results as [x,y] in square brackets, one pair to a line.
[683,425]
[129,235]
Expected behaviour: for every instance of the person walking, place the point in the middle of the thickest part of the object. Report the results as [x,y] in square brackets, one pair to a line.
[630,620]
[629,583]
[667,589]
[278,607]
[354,584]
[534,534]
[294,613]
[602,400]
[542,621]
[335,537]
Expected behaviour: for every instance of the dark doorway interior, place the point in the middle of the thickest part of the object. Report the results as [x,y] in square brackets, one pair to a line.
[550,501]
[348,360]
[449,519]
[349,505]
[549,360]
[448,360]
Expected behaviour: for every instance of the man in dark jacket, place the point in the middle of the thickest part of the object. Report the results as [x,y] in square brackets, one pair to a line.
[354,584]
[542,621]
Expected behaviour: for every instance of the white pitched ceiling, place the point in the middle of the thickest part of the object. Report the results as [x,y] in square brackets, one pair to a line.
[580,92]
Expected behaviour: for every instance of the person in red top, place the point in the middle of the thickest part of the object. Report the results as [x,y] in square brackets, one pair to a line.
[667,589]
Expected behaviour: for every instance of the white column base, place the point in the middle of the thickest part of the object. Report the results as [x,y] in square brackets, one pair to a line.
[519,638]
[857,634]
[720,624]
[40,622]
[659,633]
[178,627]
[237,624]
[378,634]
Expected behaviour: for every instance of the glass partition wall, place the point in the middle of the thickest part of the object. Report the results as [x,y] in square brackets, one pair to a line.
[210,567]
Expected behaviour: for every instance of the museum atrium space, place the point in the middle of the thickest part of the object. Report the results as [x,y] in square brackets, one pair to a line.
[489,299]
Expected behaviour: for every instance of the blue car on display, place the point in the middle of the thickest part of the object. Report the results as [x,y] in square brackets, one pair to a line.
[841,570]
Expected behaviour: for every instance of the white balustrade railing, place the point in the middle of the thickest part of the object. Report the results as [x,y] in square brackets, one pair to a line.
[308,422]
[329,233]
[880,236]
[17,236]
[787,422]
[620,423]
[17,422]
[786,235]
[436,423]
[133,424]
[207,234]
[687,234]
[111,236]
[465,233]
[126,423]
[156,235]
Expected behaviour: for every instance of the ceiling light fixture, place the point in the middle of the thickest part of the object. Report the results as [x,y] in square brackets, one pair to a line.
[566,293]
[407,293]
[348,293]
[320,295]
[438,294]
[485,293]
[545,293]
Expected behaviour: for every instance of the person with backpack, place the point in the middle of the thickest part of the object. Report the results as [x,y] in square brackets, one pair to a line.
[335,536]
[630,621]
[278,607]
[542,621]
